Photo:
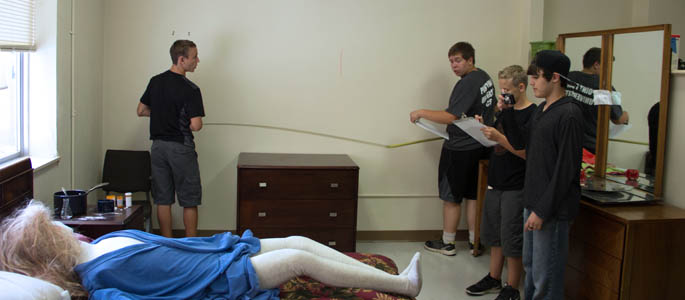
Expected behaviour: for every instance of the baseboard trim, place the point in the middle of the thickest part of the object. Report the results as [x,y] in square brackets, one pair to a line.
[407,235]
[364,235]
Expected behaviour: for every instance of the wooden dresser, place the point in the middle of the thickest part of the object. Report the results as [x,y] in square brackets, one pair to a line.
[626,252]
[313,195]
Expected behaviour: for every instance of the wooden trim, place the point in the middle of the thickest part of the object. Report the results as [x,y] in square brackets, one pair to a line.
[663,114]
[617,31]
[408,235]
[601,142]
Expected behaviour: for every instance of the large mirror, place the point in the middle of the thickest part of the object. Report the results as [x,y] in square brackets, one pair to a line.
[639,71]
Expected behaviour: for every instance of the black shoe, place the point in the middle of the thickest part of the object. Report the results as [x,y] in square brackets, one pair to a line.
[440,247]
[487,285]
[480,247]
[508,293]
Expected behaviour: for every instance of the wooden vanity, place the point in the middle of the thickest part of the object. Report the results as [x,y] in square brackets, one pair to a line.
[626,252]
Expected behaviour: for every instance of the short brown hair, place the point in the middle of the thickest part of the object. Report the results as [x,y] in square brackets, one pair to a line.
[515,73]
[180,47]
[463,48]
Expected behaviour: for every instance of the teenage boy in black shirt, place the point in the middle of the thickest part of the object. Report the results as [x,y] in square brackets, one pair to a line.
[502,222]
[174,105]
[552,184]
[473,95]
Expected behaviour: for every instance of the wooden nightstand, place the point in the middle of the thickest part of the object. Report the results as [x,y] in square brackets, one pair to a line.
[312,195]
[94,225]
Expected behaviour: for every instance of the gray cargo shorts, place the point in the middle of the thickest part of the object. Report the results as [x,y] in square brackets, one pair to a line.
[502,224]
[175,171]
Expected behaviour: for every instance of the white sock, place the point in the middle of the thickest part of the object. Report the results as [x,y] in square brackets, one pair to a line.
[448,238]
[414,276]
[472,236]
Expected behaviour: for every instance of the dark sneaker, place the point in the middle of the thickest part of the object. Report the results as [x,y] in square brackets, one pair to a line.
[440,247]
[508,293]
[487,285]
[480,248]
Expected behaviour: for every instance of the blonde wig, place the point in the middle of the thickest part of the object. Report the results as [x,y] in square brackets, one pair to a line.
[30,244]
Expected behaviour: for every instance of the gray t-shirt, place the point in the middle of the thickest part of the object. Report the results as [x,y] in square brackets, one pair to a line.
[473,95]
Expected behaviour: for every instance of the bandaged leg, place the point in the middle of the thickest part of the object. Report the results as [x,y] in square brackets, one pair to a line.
[311,246]
[278,266]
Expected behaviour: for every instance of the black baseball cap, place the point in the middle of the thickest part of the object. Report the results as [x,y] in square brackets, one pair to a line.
[550,60]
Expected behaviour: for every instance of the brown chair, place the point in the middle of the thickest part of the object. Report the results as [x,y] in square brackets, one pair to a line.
[129,171]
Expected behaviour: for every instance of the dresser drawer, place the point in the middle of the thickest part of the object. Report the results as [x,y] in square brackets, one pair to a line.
[285,184]
[340,239]
[577,287]
[600,232]
[595,265]
[298,213]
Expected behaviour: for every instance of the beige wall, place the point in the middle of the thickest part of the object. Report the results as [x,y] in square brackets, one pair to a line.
[675,145]
[55,41]
[353,69]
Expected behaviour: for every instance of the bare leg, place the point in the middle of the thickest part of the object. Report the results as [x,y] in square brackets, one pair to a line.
[278,266]
[190,220]
[164,218]
[471,207]
[514,271]
[311,246]
[451,213]
[496,262]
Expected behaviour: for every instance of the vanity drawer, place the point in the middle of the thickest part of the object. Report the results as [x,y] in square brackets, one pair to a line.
[339,239]
[596,266]
[599,232]
[297,213]
[577,286]
[285,184]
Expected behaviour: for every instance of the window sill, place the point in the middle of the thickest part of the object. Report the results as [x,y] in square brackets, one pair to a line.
[40,163]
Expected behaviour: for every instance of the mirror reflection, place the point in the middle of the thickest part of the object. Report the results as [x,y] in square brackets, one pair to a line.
[637,75]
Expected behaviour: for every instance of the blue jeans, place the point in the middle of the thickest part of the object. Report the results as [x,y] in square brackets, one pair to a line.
[544,259]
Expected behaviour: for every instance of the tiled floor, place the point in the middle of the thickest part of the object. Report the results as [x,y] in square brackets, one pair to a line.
[444,277]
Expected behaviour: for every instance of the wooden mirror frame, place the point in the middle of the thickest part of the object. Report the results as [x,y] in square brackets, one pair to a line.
[605,76]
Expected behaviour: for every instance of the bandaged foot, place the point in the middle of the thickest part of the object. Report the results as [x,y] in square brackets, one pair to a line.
[413,274]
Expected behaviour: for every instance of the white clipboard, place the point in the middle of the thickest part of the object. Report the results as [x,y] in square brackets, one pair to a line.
[472,127]
[429,127]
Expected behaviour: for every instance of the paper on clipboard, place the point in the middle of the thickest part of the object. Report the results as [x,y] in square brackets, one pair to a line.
[429,127]
[472,127]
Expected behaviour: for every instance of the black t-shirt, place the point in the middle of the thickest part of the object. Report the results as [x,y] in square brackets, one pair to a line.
[581,89]
[473,95]
[507,171]
[173,100]
[553,157]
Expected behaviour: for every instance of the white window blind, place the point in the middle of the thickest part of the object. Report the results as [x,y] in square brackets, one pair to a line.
[18,24]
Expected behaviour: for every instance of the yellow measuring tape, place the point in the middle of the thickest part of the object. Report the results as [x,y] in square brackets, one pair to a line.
[323,134]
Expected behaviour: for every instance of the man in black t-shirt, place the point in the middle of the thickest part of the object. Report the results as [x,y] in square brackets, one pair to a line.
[581,88]
[473,95]
[174,105]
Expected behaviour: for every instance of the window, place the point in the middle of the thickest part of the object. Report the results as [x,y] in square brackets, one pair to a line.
[12,95]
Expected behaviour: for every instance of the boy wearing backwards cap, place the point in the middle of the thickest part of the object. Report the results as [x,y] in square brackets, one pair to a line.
[552,181]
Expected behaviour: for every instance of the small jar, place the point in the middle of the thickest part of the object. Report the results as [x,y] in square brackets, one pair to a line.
[120,202]
[129,199]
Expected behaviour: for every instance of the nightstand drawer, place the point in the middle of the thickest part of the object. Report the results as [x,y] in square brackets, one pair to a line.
[284,184]
[340,239]
[297,213]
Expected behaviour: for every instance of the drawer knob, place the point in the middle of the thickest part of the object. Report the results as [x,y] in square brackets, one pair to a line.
[261,214]
[333,214]
[262,184]
[334,185]
[332,243]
